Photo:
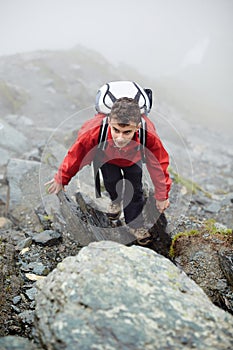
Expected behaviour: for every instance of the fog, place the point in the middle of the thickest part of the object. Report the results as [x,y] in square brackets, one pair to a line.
[185,45]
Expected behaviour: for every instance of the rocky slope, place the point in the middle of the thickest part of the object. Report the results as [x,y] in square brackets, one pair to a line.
[38,92]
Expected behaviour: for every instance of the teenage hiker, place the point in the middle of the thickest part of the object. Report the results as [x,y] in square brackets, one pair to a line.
[121,158]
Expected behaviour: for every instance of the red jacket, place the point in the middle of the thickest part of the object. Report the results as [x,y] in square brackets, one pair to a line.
[84,149]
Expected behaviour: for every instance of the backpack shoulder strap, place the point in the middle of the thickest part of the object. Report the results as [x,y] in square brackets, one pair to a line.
[142,138]
[143,132]
[102,140]
[103,134]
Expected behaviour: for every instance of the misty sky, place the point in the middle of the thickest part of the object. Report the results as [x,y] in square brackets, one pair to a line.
[185,39]
[155,36]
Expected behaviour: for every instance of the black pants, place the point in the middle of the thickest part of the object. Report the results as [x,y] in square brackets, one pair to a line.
[126,184]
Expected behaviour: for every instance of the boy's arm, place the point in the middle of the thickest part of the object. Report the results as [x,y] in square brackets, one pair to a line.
[77,157]
[157,162]
[162,205]
[68,168]
[53,186]
[80,154]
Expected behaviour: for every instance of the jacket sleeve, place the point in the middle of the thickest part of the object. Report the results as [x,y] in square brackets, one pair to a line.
[157,162]
[80,154]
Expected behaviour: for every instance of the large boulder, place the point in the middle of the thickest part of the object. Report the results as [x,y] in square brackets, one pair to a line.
[12,142]
[111,296]
[24,191]
[16,343]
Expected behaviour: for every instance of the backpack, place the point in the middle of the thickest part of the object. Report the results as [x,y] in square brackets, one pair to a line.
[105,98]
[110,92]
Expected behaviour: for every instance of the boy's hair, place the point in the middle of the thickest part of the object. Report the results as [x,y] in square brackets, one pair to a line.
[126,110]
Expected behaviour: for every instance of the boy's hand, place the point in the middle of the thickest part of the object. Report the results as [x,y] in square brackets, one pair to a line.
[53,187]
[162,205]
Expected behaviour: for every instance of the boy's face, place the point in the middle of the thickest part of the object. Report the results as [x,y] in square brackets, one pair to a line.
[122,134]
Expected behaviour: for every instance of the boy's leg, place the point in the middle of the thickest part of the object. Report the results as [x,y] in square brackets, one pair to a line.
[133,195]
[112,177]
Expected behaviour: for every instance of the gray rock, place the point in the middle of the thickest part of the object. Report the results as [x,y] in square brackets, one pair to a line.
[47,237]
[23,178]
[15,308]
[3,179]
[31,293]
[5,156]
[12,139]
[111,296]
[40,269]
[219,226]
[85,224]
[25,243]
[226,263]
[19,121]
[16,343]
[35,267]
[228,199]
[200,199]
[27,316]
[16,299]
[213,208]
[5,223]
